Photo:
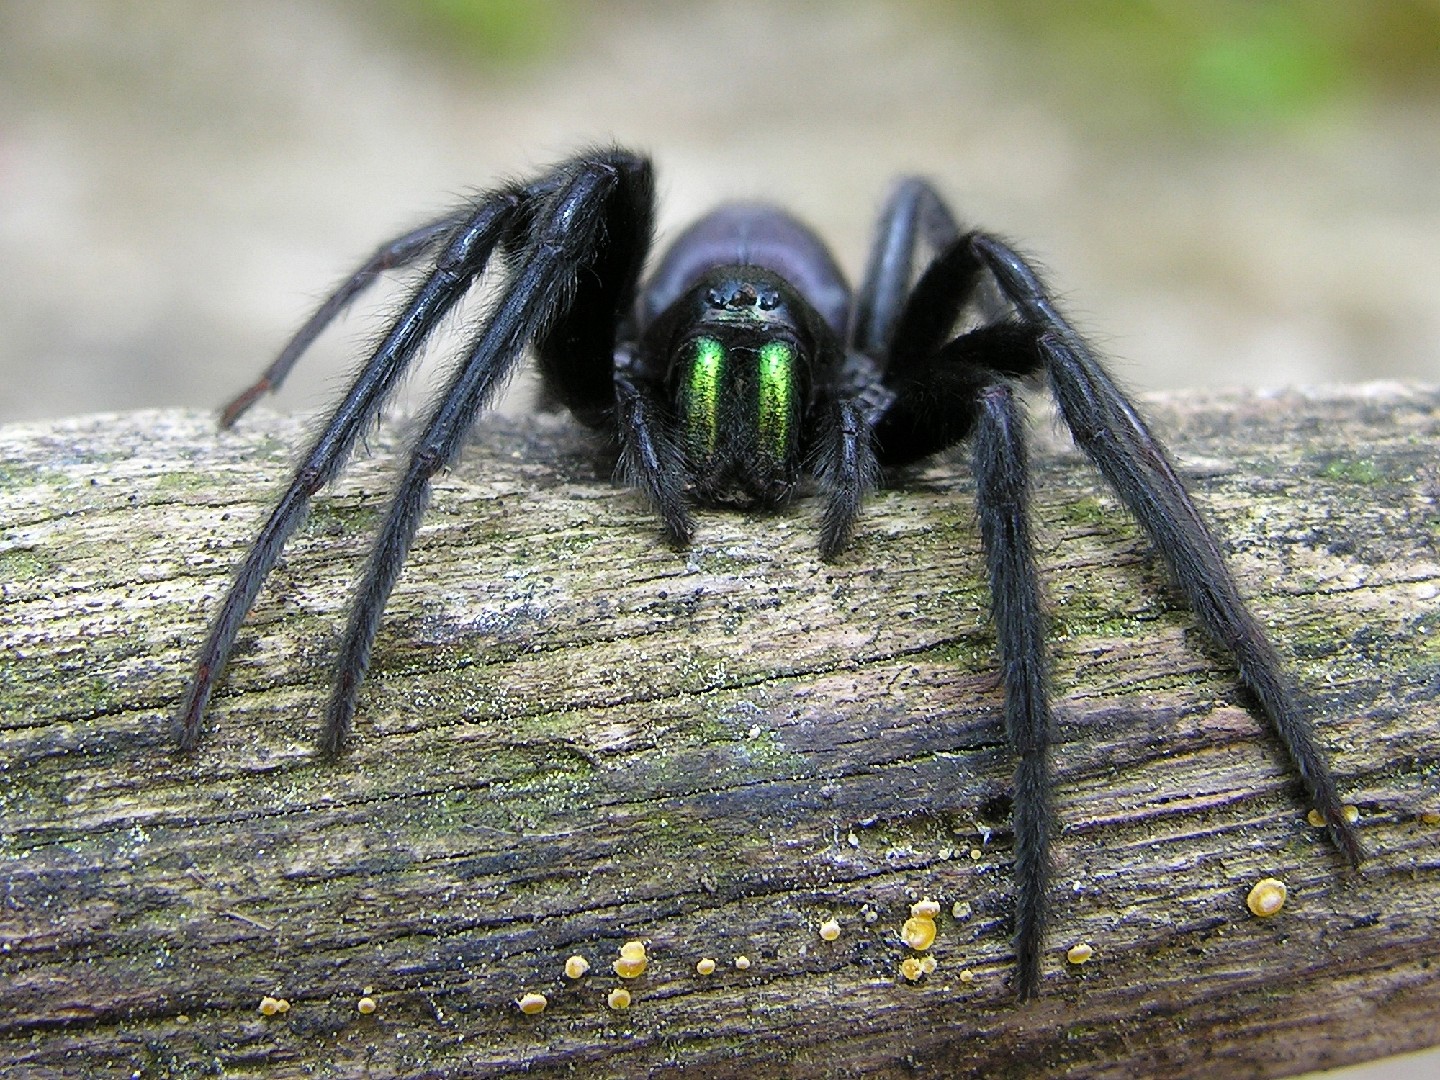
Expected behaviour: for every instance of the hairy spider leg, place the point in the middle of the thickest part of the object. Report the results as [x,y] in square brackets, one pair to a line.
[1002,501]
[565,234]
[947,389]
[401,251]
[1106,426]
[913,214]
[650,457]
[942,391]
[587,357]
[846,469]
[463,258]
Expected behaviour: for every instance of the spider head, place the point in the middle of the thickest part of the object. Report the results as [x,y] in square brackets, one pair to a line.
[741,348]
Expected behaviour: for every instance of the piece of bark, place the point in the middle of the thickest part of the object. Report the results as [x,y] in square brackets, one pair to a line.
[573,736]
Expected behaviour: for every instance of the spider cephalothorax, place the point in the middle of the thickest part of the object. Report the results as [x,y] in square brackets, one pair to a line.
[743,365]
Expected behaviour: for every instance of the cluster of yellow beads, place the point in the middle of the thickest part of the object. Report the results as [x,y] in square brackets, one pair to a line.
[1351,814]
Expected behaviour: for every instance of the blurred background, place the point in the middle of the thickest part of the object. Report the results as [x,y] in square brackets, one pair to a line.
[1224,191]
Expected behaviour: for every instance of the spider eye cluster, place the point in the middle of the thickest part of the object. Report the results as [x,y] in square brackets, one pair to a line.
[739,295]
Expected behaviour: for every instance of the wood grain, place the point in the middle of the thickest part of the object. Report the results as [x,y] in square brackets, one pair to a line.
[573,736]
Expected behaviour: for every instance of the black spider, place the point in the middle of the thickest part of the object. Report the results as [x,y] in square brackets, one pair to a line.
[743,364]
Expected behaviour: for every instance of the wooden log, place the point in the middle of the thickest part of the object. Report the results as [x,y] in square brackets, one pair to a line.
[573,737]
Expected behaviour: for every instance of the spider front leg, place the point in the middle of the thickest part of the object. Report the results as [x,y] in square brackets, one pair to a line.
[567,234]
[846,468]
[462,259]
[964,390]
[649,456]
[944,390]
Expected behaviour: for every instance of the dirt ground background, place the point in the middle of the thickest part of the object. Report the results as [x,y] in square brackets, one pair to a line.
[180,180]
[1233,202]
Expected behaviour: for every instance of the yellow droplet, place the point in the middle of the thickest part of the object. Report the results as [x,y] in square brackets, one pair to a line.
[928,964]
[911,968]
[1267,897]
[269,1006]
[1314,817]
[619,998]
[576,966]
[830,930]
[532,1004]
[925,909]
[1078,954]
[918,932]
[366,1005]
[1351,814]
[967,976]
[742,963]
[633,960]
[705,966]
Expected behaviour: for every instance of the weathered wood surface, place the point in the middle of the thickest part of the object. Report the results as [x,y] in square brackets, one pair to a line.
[573,736]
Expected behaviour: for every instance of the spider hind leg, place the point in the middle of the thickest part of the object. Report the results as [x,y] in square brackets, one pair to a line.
[401,251]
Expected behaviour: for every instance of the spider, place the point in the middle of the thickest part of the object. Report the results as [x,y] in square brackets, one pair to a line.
[743,367]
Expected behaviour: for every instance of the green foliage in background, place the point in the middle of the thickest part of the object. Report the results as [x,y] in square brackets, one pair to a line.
[1211,63]
[512,33]
[1227,63]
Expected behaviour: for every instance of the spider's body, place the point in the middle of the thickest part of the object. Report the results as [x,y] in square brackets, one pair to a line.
[730,324]
[742,366]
